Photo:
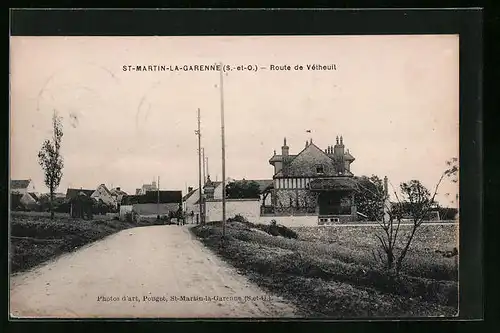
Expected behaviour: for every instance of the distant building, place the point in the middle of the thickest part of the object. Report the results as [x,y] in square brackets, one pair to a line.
[190,201]
[118,195]
[74,192]
[23,194]
[22,186]
[102,193]
[315,182]
[25,201]
[146,187]
[152,203]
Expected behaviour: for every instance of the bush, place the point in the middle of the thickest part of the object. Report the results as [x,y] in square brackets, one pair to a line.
[237,218]
[447,213]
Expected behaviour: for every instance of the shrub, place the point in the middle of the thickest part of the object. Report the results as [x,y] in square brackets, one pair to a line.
[237,218]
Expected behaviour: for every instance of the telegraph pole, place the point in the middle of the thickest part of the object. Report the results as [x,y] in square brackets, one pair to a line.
[223,153]
[198,132]
[208,173]
[158,197]
[203,157]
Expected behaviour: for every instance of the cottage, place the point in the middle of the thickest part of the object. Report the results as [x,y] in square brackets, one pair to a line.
[314,182]
[103,194]
[80,202]
[117,195]
[24,201]
[190,204]
[22,186]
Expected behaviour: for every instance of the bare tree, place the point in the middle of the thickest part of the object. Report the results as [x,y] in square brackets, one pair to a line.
[415,202]
[51,161]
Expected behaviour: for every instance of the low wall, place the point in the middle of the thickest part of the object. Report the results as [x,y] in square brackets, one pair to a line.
[248,208]
[291,221]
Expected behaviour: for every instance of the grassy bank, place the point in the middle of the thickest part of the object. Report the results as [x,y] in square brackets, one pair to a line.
[36,239]
[335,278]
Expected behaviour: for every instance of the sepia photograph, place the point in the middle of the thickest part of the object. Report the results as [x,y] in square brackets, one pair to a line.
[234,177]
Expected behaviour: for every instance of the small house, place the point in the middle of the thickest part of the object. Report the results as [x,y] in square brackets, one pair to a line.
[22,186]
[80,202]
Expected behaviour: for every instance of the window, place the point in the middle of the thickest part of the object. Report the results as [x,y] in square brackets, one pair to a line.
[319,169]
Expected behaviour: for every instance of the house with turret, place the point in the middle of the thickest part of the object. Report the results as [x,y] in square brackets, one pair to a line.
[314,182]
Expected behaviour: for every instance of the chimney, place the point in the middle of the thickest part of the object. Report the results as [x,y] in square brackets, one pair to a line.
[284,148]
[338,150]
[118,189]
[306,144]
[386,186]
[190,188]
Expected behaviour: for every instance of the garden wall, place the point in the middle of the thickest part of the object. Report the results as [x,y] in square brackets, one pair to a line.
[248,208]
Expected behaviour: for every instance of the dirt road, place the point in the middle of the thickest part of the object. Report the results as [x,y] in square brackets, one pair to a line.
[148,272]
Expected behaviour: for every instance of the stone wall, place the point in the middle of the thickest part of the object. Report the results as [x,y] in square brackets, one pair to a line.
[248,208]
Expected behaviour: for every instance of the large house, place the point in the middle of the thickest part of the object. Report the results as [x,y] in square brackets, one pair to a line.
[315,181]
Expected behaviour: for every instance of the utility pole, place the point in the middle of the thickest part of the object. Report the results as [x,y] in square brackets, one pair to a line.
[206,158]
[203,157]
[158,197]
[198,132]
[223,153]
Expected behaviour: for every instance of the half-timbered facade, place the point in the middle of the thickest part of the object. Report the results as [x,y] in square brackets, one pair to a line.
[315,181]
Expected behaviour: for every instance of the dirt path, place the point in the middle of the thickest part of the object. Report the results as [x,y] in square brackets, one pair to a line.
[157,271]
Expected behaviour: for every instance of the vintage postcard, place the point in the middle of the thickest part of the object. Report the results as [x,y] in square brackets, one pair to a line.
[234,177]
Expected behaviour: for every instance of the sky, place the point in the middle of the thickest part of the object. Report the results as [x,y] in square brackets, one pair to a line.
[394,99]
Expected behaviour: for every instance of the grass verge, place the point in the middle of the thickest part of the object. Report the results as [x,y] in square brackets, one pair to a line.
[36,239]
[326,285]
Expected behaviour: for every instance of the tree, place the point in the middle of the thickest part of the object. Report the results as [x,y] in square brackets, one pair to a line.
[243,189]
[51,161]
[416,201]
[369,197]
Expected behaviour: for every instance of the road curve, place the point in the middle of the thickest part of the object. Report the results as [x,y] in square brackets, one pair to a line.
[147,272]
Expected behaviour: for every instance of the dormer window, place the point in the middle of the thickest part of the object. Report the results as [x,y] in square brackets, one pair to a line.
[319,169]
